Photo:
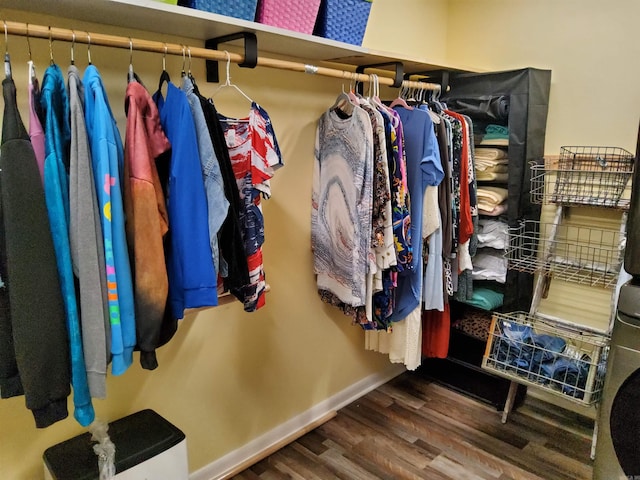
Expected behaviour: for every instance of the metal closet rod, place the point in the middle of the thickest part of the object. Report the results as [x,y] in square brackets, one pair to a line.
[115,41]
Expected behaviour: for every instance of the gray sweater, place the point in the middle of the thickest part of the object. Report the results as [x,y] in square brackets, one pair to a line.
[87,250]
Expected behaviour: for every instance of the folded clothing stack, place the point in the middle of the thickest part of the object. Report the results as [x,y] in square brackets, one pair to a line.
[492,234]
[490,264]
[491,164]
[492,200]
[495,135]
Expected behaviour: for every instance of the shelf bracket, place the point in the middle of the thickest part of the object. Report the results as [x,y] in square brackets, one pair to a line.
[250,52]
[441,76]
[399,77]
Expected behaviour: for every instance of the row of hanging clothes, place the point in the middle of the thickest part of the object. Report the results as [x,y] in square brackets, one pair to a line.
[105,243]
[394,215]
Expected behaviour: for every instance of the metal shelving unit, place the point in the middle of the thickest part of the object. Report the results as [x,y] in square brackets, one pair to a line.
[529,348]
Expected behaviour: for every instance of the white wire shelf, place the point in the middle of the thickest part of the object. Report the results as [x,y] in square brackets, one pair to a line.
[573,253]
[584,176]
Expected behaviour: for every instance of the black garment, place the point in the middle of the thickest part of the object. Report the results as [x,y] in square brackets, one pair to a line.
[230,237]
[36,315]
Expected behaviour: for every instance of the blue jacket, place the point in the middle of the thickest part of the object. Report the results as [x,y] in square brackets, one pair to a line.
[55,105]
[192,277]
[107,157]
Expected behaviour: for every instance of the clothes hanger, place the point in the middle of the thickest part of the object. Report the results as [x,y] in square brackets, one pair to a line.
[227,82]
[164,76]
[131,76]
[191,77]
[183,72]
[344,104]
[31,66]
[73,47]
[400,101]
[88,49]
[7,58]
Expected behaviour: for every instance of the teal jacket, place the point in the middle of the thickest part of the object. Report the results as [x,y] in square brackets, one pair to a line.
[55,105]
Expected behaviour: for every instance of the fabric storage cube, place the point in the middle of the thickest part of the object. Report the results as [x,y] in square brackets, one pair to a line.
[244,9]
[296,15]
[343,20]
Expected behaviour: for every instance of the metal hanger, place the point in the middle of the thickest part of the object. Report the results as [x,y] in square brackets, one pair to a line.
[227,82]
[7,58]
[73,46]
[89,48]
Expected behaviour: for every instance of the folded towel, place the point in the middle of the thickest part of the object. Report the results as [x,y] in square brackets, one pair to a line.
[497,165]
[501,142]
[495,131]
[492,177]
[491,197]
[490,153]
[494,212]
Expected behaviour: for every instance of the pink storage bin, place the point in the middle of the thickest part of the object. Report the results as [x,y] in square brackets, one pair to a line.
[296,15]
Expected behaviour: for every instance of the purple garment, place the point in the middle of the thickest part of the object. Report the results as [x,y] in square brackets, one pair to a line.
[36,132]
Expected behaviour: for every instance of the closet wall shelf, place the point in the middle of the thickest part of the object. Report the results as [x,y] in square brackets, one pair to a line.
[164,19]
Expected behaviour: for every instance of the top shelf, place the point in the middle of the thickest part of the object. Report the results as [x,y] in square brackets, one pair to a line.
[158,17]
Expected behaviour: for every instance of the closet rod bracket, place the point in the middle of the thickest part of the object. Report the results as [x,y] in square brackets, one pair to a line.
[250,52]
[399,76]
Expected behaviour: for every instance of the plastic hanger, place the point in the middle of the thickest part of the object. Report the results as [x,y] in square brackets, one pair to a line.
[7,58]
[227,82]
[344,104]
[399,101]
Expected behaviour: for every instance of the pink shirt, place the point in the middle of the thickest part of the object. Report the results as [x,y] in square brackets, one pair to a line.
[36,132]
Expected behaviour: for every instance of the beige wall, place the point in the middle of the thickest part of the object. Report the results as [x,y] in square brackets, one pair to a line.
[417,28]
[229,376]
[591,46]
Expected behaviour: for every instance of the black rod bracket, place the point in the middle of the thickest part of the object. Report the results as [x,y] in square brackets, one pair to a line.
[250,52]
[397,81]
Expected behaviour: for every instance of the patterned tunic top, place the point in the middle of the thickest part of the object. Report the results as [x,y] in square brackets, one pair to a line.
[342,205]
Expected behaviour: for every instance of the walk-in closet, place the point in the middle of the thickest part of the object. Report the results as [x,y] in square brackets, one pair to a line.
[354,239]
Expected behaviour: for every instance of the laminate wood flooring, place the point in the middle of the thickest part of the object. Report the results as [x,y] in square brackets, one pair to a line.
[413,428]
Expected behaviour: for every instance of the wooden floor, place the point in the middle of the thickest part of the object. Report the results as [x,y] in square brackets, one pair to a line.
[412,428]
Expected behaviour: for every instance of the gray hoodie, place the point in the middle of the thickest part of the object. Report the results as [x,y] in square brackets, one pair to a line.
[87,250]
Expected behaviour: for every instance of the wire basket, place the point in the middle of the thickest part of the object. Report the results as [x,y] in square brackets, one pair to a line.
[584,176]
[561,358]
[573,253]
[343,20]
[244,9]
[296,15]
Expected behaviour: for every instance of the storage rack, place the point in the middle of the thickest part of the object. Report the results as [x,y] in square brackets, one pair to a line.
[518,345]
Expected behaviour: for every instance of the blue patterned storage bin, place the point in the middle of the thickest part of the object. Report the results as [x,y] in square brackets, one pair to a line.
[343,20]
[244,9]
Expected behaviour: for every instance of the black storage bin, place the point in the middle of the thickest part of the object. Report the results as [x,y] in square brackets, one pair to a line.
[139,437]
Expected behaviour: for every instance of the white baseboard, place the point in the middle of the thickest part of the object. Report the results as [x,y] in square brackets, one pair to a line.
[221,467]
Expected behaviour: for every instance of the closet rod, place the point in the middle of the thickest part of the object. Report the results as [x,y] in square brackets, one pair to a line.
[54,33]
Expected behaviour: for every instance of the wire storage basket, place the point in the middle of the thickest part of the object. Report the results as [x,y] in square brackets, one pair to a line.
[584,176]
[569,252]
[557,357]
